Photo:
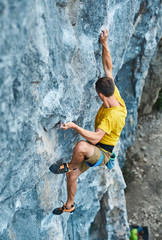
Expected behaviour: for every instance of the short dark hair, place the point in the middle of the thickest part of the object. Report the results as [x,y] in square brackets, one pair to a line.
[105,85]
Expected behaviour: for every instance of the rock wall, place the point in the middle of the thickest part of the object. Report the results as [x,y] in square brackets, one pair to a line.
[146,34]
[50,58]
[143,169]
[153,82]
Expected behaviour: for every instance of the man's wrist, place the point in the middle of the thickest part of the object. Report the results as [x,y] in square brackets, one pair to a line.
[74,126]
[104,44]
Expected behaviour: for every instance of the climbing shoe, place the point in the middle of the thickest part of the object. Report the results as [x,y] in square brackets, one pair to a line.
[59,211]
[56,169]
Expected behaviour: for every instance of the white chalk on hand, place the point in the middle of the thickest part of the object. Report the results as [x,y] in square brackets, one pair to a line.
[61,125]
[102,29]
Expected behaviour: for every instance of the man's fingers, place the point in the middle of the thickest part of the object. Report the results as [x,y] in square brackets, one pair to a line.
[66,125]
[62,125]
[104,33]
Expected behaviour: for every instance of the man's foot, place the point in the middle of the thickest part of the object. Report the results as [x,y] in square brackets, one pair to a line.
[57,169]
[59,211]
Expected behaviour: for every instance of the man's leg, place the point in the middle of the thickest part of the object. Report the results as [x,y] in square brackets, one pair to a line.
[72,186]
[83,149]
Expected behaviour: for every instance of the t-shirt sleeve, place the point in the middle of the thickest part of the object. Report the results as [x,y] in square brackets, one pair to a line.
[106,125]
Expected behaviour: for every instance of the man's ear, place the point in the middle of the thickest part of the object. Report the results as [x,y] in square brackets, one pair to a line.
[101,96]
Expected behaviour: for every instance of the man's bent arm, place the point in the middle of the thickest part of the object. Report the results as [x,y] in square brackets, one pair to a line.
[106,57]
[93,137]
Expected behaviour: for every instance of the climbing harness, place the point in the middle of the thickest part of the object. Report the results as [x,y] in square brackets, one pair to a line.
[97,163]
[110,164]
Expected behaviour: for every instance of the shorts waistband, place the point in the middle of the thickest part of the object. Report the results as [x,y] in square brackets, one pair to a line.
[105,147]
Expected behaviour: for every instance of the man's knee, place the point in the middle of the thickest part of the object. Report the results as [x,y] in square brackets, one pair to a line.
[81,147]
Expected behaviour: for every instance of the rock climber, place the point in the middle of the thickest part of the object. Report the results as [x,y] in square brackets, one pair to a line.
[109,123]
[137,233]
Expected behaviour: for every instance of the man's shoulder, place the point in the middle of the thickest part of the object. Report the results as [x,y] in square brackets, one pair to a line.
[116,92]
[119,98]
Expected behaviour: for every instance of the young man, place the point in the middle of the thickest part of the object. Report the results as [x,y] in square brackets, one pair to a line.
[109,123]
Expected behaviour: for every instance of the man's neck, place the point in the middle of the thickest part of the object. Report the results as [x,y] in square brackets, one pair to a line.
[111,102]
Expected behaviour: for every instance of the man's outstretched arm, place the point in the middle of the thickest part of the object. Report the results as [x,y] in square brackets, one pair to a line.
[106,57]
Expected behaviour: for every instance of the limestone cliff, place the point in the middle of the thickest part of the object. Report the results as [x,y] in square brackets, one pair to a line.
[50,58]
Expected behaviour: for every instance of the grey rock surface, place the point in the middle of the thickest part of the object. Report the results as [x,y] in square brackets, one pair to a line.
[153,82]
[50,58]
[146,34]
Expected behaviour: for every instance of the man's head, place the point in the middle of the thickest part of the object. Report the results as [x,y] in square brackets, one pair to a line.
[105,86]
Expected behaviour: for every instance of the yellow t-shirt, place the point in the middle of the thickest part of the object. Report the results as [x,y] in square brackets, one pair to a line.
[111,120]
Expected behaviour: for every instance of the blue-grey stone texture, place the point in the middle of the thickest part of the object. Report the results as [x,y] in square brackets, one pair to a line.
[50,58]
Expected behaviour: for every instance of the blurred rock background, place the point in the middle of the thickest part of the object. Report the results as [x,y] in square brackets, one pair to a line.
[143,165]
[50,58]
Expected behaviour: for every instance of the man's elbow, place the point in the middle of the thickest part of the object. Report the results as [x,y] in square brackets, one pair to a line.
[97,140]
[94,142]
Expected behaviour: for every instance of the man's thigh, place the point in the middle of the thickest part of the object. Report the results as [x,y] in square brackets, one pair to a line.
[93,159]
[86,148]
